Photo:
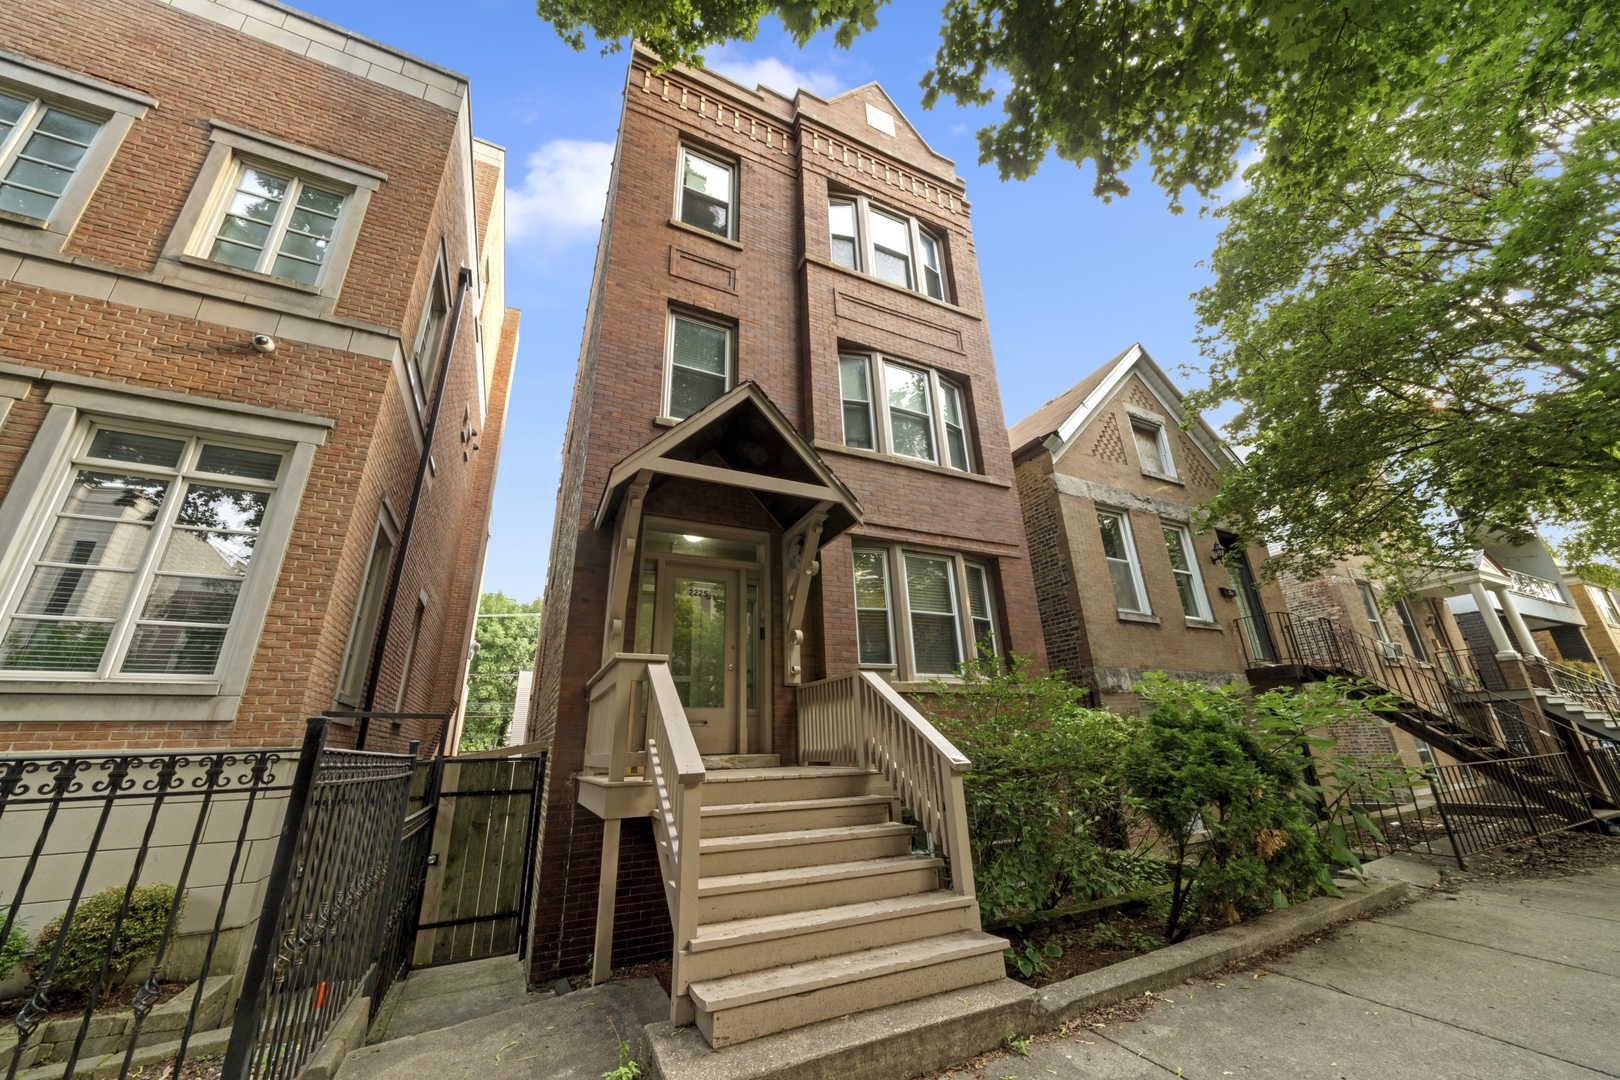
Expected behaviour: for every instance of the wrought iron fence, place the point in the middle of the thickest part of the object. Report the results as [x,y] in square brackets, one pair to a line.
[1487,806]
[79,833]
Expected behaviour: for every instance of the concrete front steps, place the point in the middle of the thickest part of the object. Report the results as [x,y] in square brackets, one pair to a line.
[812,905]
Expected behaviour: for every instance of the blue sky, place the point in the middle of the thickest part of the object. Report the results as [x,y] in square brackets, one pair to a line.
[1069,280]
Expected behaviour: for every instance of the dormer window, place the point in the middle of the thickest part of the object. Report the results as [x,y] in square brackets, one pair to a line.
[890,246]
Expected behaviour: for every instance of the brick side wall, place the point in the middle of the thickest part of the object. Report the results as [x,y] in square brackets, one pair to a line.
[1061,625]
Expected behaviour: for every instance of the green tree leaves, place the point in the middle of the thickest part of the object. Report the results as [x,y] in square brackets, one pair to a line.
[506,646]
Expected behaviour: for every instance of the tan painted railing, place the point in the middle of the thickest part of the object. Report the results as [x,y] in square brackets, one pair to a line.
[615,736]
[675,769]
[859,719]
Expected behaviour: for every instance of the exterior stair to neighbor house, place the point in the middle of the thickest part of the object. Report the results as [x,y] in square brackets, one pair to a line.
[812,904]
[796,894]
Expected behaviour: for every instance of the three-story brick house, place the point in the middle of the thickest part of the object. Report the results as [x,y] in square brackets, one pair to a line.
[786,466]
[245,257]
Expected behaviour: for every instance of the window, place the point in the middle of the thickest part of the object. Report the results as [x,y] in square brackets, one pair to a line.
[1369,604]
[872,628]
[1152,448]
[699,365]
[1604,599]
[980,609]
[1184,565]
[855,385]
[707,186]
[277,225]
[1120,553]
[430,339]
[885,243]
[922,411]
[363,633]
[1414,635]
[149,546]
[935,635]
[410,652]
[41,148]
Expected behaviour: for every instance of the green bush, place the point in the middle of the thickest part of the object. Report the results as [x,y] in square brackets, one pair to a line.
[1047,812]
[86,943]
[1233,781]
[12,950]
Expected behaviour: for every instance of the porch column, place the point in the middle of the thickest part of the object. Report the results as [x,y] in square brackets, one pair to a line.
[1492,622]
[607,889]
[1510,608]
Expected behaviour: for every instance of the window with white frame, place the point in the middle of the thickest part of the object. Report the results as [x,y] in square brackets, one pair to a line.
[1184,566]
[700,365]
[148,548]
[873,630]
[41,149]
[887,244]
[708,193]
[1119,551]
[1369,604]
[921,411]
[363,631]
[277,224]
[1414,635]
[430,338]
[1152,447]
[1605,602]
[915,609]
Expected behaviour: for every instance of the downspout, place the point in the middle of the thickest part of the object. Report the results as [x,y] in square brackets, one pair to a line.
[391,598]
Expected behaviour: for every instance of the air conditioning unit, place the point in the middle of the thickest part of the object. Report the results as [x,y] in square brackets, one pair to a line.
[1392,651]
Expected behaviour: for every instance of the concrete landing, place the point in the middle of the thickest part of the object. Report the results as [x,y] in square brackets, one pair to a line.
[440,997]
[573,1037]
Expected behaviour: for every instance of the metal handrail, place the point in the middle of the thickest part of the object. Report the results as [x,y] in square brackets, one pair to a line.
[859,719]
[1588,691]
[675,768]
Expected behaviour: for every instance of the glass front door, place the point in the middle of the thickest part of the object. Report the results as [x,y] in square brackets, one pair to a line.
[701,631]
[1256,634]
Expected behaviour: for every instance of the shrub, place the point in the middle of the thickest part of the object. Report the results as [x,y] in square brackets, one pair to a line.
[92,929]
[1047,812]
[11,950]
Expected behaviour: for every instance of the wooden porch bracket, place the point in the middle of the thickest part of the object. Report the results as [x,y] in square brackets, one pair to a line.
[622,570]
[801,548]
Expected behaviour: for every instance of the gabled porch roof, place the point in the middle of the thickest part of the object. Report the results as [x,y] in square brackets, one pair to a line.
[742,439]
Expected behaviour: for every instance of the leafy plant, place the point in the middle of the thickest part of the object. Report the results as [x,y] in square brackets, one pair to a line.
[1048,814]
[1143,942]
[1106,937]
[1032,961]
[12,950]
[1017,1045]
[86,944]
[628,1068]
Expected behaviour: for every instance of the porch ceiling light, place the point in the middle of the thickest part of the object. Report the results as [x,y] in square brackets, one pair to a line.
[691,539]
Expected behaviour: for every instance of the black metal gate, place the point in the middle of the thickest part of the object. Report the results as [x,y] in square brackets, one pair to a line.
[477,893]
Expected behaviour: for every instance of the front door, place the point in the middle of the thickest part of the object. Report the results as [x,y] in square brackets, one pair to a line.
[1256,634]
[700,629]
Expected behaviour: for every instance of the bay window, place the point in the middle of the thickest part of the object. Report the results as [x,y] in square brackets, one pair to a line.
[918,626]
[874,633]
[921,411]
[887,244]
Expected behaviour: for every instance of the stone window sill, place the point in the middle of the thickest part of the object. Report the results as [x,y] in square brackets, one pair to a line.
[1202,624]
[252,275]
[1138,617]
[695,231]
[827,264]
[107,687]
[1166,477]
[24,220]
[910,463]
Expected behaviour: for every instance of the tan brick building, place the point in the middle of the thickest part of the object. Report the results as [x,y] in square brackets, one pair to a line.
[234,245]
[1109,483]
[786,462]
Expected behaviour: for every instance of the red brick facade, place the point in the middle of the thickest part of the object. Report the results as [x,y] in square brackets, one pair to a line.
[116,314]
[792,310]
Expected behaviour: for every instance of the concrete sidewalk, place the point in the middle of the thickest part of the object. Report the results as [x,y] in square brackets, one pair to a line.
[1497,982]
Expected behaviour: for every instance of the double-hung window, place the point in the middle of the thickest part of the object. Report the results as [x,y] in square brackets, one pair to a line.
[430,340]
[1119,551]
[1414,633]
[277,224]
[1606,604]
[41,148]
[700,365]
[914,610]
[707,193]
[887,244]
[146,554]
[1184,567]
[1369,605]
[921,412]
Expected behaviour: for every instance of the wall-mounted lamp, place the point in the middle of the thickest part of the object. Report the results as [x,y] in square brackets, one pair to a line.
[1218,552]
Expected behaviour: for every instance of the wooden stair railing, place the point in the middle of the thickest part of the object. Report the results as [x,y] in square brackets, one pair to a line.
[675,769]
[859,719]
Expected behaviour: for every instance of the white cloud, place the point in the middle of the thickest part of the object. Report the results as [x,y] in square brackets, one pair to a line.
[773,73]
[1237,187]
[561,198]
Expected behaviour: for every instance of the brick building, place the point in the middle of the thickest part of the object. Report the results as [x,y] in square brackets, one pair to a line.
[1109,482]
[241,252]
[785,463]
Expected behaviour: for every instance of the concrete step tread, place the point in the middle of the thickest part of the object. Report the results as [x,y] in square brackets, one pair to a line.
[771,927]
[794,805]
[756,841]
[736,991]
[725,884]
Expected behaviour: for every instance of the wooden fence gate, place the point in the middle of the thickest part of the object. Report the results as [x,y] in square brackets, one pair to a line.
[478,890]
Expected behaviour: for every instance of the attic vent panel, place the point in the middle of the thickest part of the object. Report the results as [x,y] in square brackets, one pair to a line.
[876,117]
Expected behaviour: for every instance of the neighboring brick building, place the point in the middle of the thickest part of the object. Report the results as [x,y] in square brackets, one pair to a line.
[199,526]
[1600,607]
[787,410]
[1109,482]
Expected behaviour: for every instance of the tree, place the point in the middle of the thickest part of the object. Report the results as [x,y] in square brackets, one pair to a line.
[1415,302]
[506,646]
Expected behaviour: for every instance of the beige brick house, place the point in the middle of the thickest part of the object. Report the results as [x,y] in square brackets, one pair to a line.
[1109,482]
[245,258]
